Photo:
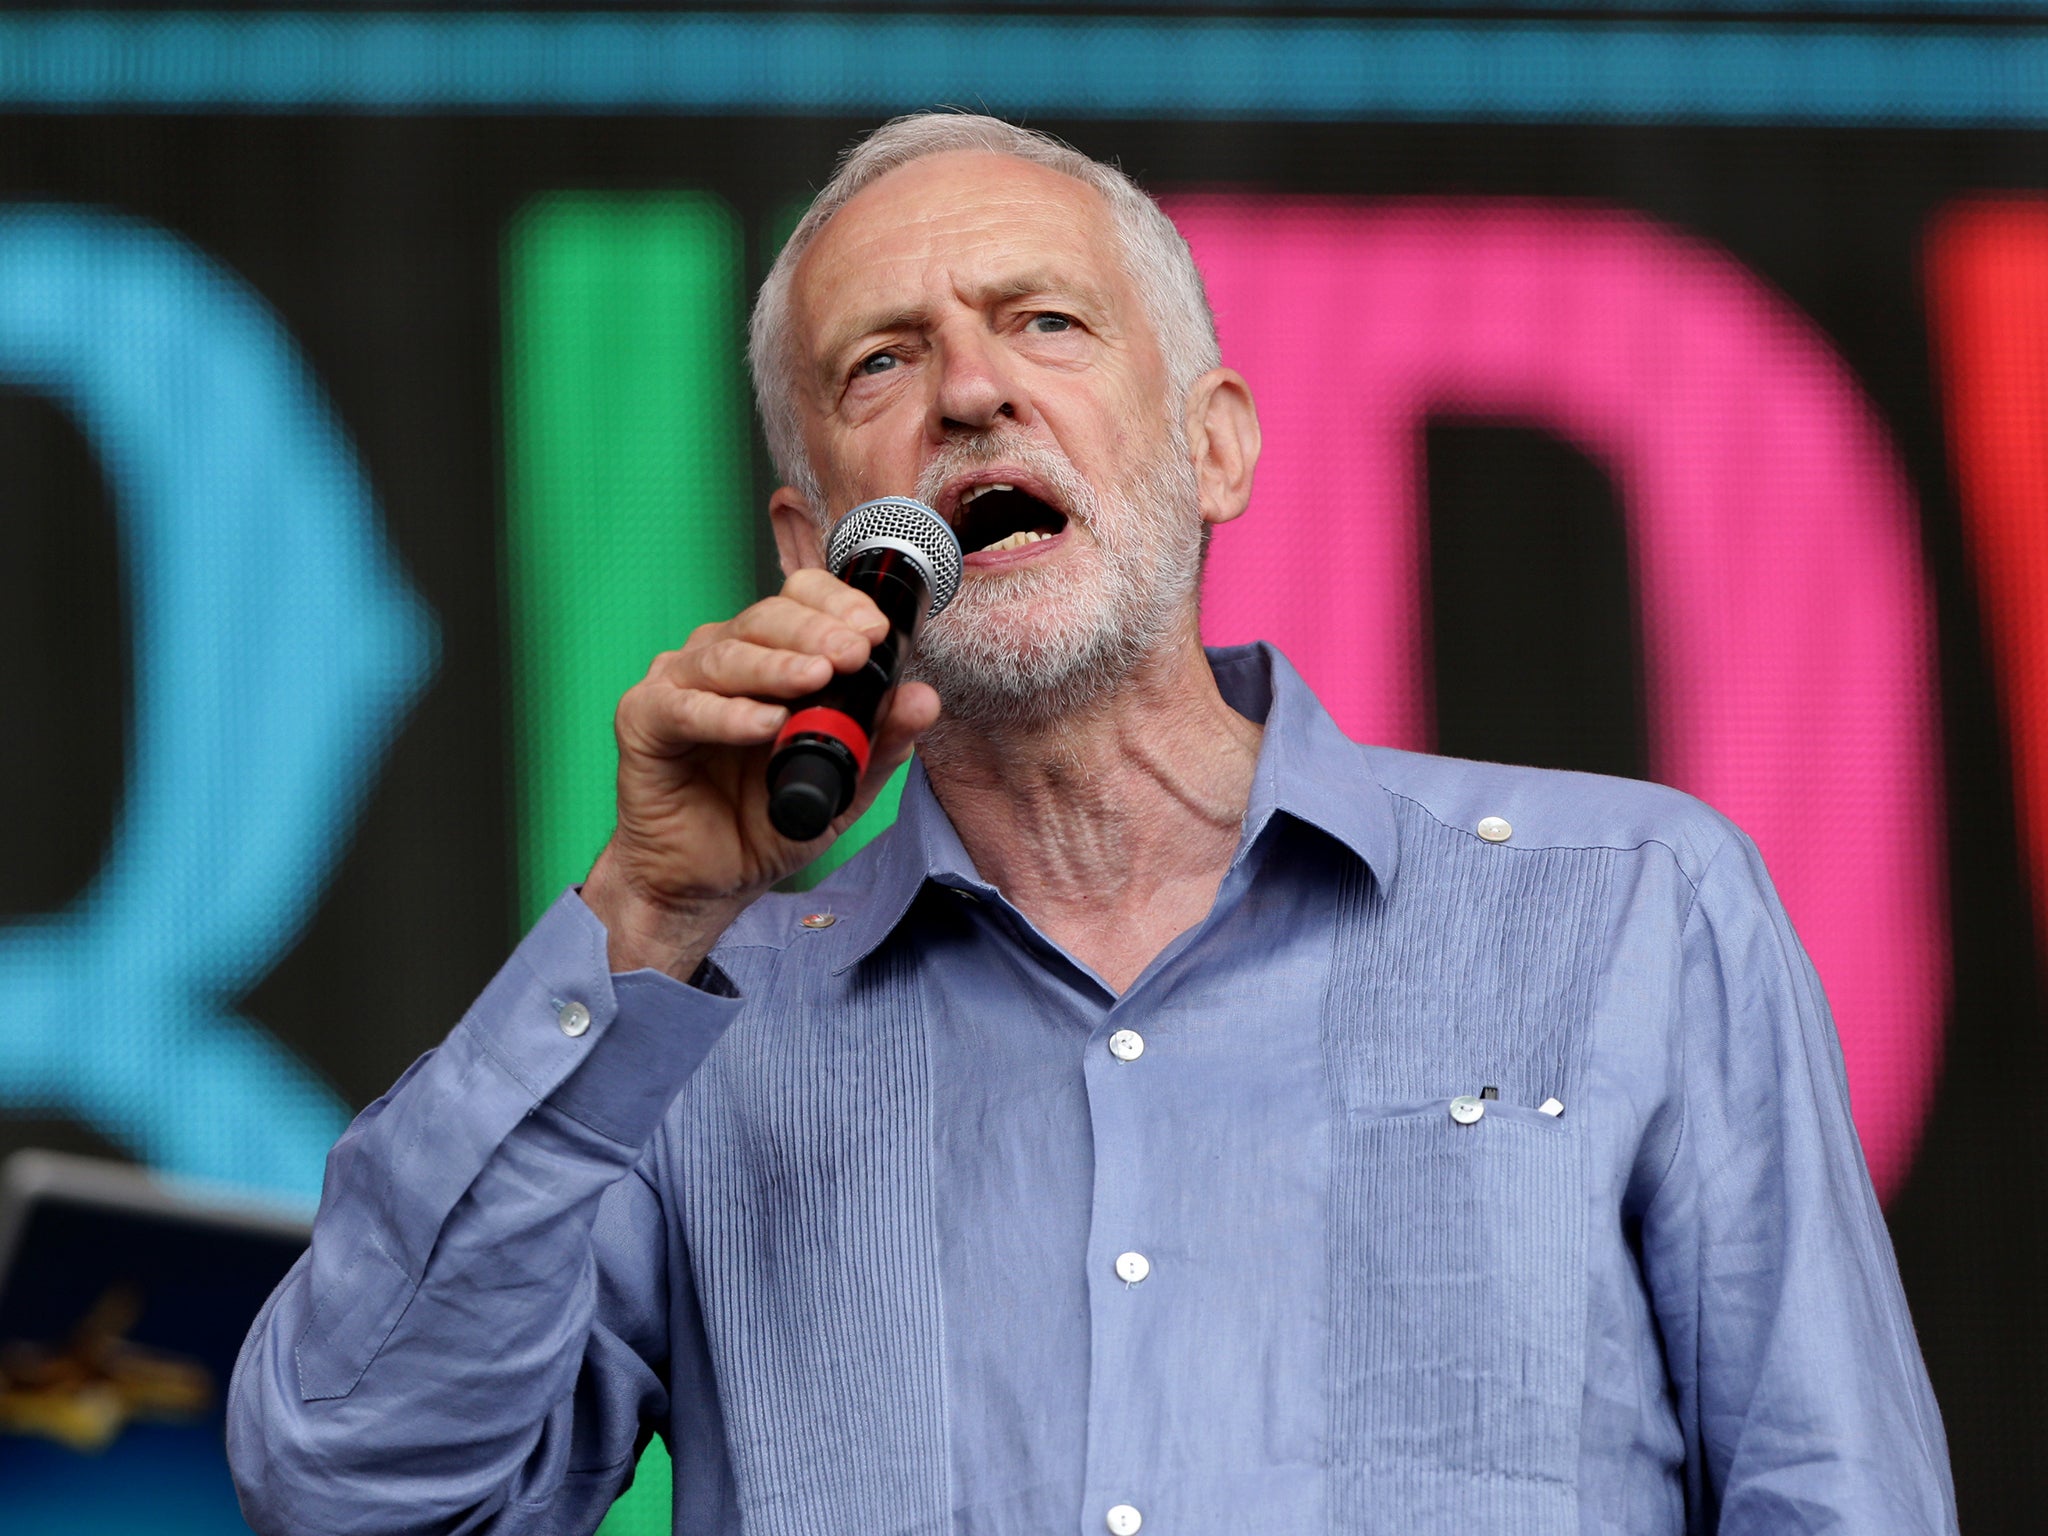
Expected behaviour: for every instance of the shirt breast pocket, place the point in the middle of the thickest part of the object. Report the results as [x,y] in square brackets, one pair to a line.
[1459,1311]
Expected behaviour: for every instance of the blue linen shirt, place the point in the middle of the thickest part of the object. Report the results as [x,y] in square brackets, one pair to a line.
[849,1234]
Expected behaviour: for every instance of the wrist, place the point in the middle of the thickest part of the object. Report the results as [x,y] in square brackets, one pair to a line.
[646,932]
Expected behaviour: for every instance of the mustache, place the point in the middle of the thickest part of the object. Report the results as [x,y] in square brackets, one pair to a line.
[980,448]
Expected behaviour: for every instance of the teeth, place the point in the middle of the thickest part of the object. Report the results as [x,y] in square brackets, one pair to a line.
[1016,540]
[983,490]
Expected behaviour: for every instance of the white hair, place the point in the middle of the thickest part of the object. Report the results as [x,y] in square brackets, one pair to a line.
[1155,258]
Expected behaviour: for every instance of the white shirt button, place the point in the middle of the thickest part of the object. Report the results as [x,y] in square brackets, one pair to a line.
[1131,1268]
[818,920]
[1127,1045]
[1495,829]
[574,1019]
[1466,1110]
[1123,1520]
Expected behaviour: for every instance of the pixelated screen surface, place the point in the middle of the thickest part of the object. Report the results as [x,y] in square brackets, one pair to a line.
[1658,395]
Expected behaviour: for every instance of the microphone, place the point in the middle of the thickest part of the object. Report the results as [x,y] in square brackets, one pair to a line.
[900,553]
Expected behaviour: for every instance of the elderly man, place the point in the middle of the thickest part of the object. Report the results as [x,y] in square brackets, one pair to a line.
[1183,1118]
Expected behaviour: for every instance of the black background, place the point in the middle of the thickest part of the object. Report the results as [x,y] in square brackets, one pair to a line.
[378,240]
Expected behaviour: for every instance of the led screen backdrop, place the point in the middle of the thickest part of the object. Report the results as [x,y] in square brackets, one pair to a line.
[1660,394]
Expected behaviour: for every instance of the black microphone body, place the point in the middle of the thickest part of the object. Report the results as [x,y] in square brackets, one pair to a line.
[900,558]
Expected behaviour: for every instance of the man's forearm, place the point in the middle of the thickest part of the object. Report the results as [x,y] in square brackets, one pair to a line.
[408,1370]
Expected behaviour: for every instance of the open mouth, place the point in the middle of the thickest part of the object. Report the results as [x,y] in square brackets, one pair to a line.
[999,517]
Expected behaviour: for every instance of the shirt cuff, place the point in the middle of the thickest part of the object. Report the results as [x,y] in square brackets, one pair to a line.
[609,1050]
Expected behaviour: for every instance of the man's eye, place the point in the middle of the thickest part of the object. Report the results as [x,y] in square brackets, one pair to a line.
[1048,323]
[881,362]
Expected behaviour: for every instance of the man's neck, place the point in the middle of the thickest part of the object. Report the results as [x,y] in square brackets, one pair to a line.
[1110,828]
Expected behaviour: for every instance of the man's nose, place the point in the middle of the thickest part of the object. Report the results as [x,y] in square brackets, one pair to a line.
[977,386]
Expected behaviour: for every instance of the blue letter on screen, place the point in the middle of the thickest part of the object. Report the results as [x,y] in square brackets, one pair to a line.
[277,648]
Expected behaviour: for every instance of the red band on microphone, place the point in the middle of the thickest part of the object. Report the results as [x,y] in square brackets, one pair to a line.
[820,721]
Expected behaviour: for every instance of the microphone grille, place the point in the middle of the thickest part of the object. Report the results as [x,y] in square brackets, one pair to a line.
[898,522]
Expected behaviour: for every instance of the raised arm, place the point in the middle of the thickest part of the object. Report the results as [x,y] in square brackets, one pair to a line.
[478,1337]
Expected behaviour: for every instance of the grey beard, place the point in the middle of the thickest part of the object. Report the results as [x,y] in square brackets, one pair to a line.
[996,676]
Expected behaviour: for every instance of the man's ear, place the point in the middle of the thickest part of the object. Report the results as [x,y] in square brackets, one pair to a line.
[797,541]
[1223,441]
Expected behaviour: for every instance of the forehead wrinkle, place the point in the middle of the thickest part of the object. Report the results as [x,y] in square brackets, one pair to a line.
[1047,281]
[1061,207]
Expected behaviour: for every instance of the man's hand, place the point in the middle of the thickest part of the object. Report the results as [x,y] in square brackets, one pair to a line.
[693,844]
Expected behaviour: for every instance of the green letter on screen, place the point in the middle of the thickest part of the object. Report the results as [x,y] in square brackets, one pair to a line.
[630,520]
[630,507]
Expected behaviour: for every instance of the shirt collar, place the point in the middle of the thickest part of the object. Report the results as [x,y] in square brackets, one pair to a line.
[1307,767]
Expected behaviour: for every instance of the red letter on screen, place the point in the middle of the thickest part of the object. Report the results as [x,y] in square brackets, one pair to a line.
[1987,301]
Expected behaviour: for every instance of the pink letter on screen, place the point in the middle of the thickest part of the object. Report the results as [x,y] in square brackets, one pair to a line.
[1786,616]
